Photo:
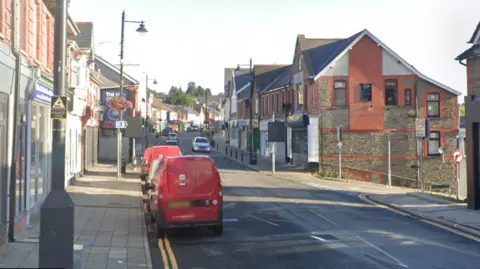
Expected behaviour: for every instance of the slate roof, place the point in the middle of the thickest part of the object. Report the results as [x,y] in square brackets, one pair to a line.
[322,56]
[282,80]
[110,75]
[475,33]
[472,51]
[319,57]
[265,75]
[228,77]
[241,80]
[84,39]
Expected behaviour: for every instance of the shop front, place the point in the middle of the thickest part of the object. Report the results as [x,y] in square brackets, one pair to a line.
[39,134]
[243,127]
[298,136]
[264,145]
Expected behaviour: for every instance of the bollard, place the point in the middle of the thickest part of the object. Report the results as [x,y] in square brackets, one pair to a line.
[236,154]
[231,152]
[226,150]
[241,156]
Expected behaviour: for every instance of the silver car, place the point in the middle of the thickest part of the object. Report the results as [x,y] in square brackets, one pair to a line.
[201,144]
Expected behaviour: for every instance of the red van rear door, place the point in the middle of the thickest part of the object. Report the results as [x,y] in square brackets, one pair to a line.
[146,160]
[193,190]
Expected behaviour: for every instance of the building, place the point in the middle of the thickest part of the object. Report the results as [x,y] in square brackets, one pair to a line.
[229,75]
[365,87]
[89,89]
[471,59]
[238,114]
[160,113]
[272,108]
[109,92]
[32,147]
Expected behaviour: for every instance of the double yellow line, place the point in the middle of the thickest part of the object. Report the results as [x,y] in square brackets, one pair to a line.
[167,253]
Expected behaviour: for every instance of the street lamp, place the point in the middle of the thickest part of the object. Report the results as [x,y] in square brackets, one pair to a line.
[57,211]
[253,159]
[141,30]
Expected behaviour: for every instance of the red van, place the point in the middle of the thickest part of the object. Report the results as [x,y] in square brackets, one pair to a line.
[153,153]
[186,191]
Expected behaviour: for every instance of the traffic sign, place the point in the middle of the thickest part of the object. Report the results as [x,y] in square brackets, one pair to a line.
[121,124]
[458,156]
[58,107]
[420,129]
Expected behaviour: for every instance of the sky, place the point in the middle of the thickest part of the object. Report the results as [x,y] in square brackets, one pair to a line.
[192,40]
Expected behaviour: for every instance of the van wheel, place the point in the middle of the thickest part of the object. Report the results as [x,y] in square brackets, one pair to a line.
[217,230]
[193,150]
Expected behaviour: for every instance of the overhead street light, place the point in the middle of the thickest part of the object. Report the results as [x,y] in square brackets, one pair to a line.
[141,30]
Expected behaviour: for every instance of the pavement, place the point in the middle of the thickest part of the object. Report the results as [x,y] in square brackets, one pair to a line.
[300,221]
[109,224]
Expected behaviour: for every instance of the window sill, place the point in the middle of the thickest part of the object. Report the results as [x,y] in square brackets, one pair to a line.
[434,155]
[434,117]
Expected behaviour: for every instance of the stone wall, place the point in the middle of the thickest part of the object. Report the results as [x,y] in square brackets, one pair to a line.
[364,157]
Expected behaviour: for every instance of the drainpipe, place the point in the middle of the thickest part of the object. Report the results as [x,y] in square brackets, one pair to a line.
[12,121]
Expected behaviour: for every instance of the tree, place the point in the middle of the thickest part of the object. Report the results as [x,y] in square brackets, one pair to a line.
[462,110]
[208,91]
[200,91]
[191,89]
[178,97]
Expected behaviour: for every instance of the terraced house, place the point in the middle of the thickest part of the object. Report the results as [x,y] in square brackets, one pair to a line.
[362,85]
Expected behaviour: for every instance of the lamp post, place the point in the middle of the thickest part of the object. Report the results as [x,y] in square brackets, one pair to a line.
[147,104]
[57,212]
[141,30]
[252,87]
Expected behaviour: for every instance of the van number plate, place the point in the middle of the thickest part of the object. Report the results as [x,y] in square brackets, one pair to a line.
[179,204]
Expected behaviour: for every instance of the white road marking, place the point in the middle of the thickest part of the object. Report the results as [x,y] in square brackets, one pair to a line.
[293,201]
[383,252]
[230,220]
[318,238]
[323,217]
[266,221]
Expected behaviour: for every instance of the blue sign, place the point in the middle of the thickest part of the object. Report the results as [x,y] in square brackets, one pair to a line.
[42,93]
[110,115]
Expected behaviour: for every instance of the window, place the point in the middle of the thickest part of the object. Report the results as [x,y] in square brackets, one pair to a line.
[256,105]
[36,29]
[300,94]
[300,63]
[366,92]
[433,105]
[391,92]
[339,93]
[408,97]
[48,42]
[434,144]
[23,26]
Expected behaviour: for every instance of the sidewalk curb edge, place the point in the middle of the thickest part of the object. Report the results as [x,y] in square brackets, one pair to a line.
[449,224]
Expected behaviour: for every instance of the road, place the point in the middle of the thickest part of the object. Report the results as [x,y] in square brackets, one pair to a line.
[276,223]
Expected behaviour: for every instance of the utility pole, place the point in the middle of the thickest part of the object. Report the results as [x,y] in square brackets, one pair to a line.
[206,111]
[252,88]
[119,131]
[57,212]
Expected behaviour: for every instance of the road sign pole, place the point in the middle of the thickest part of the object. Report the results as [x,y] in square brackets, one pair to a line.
[340,160]
[57,211]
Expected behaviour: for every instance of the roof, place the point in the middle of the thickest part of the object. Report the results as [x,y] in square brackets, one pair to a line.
[229,75]
[192,111]
[85,38]
[476,35]
[282,80]
[310,43]
[161,106]
[472,51]
[241,81]
[110,75]
[343,48]
[266,74]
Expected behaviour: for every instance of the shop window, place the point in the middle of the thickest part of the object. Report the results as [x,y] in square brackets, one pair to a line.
[408,97]
[366,92]
[340,93]
[433,105]
[434,144]
[391,92]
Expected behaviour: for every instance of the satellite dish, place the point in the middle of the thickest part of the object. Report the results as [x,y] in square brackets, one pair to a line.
[441,150]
